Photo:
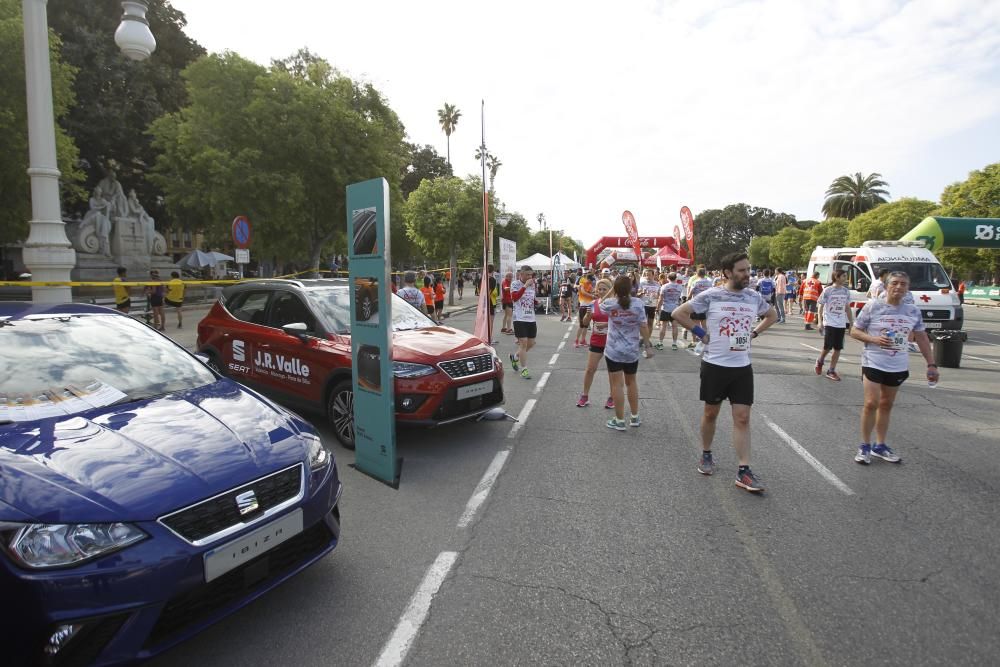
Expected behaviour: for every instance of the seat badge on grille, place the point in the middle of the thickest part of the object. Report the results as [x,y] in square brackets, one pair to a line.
[471,365]
[246,502]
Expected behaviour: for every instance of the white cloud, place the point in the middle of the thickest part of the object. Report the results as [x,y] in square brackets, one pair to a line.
[595,107]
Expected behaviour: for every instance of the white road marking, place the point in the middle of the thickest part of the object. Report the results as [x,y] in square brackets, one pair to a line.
[395,650]
[483,488]
[541,382]
[529,405]
[566,336]
[809,458]
[560,346]
[552,361]
[981,359]
[984,342]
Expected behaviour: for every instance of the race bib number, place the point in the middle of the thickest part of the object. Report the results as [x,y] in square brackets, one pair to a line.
[899,341]
[600,328]
[739,342]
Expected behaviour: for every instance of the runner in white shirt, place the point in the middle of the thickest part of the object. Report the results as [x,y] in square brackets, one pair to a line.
[522,293]
[669,299]
[410,294]
[648,291]
[884,327]
[835,317]
[730,313]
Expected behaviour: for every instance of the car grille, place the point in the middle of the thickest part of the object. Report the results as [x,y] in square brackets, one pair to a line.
[195,606]
[460,368]
[939,314]
[452,407]
[221,513]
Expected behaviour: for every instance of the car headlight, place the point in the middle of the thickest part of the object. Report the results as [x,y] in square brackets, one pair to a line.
[45,545]
[319,457]
[404,369]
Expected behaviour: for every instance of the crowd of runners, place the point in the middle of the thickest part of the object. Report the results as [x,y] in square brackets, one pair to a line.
[718,314]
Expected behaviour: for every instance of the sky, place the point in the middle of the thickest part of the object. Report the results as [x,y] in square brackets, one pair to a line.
[595,107]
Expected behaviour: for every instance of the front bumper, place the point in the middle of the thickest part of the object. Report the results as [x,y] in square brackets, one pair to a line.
[138,602]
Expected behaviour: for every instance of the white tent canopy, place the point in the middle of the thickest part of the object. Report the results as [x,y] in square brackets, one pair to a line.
[538,262]
[566,261]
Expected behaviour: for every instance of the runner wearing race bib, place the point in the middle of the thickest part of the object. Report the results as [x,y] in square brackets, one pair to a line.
[598,321]
[668,300]
[835,317]
[522,294]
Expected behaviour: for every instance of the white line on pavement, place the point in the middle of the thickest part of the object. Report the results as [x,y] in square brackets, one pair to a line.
[483,488]
[552,361]
[560,346]
[984,342]
[566,336]
[395,650]
[541,382]
[809,458]
[981,359]
[529,405]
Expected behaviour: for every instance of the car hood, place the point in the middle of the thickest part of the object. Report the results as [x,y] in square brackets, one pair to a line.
[140,460]
[435,344]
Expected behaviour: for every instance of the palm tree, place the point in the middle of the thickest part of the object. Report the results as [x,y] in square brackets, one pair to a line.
[493,163]
[448,117]
[850,196]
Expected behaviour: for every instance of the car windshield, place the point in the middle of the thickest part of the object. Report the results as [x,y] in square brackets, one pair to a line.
[924,276]
[53,365]
[334,303]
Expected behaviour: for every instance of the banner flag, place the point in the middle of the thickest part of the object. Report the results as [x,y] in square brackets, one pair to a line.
[508,256]
[688,221]
[633,233]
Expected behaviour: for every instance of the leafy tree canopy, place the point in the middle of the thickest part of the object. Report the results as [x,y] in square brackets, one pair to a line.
[831,233]
[790,247]
[118,98]
[279,145]
[850,196]
[423,162]
[888,221]
[720,232]
[760,251]
[976,197]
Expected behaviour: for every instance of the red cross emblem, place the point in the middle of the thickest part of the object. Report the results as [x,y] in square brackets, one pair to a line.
[924,298]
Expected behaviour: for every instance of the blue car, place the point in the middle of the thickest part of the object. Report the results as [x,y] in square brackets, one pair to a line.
[143,497]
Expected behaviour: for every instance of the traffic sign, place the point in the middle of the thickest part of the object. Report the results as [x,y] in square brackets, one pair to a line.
[242,256]
[241,231]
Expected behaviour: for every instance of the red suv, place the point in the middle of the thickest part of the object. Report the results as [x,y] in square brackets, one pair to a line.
[292,340]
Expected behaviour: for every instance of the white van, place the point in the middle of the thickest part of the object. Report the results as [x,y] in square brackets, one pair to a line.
[929,283]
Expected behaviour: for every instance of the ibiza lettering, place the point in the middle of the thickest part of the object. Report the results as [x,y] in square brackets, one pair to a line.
[279,362]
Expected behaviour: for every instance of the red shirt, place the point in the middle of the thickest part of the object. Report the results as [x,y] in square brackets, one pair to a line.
[599,336]
[505,292]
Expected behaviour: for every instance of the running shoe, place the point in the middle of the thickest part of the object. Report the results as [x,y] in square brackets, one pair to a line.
[864,454]
[883,452]
[645,353]
[616,424]
[659,346]
[583,402]
[673,346]
[609,404]
[833,375]
[819,367]
[747,480]
[525,373]
[513,362]
[691,345]
[707,465]
[634,420]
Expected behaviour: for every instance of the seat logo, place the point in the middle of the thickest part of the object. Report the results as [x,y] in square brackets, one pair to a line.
[246,502]
[239,352]
[471,365]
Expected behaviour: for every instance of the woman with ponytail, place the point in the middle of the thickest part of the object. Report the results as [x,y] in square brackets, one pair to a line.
[627,333]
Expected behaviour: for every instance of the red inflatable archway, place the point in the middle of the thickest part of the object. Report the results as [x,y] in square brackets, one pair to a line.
[668,242]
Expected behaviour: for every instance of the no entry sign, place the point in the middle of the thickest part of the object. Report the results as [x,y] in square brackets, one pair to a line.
[241,231]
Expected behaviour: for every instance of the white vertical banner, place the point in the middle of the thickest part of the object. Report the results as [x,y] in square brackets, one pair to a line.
[508,256]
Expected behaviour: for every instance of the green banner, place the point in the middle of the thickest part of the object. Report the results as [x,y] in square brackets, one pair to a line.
[371,330]
[983,293]
[938,232]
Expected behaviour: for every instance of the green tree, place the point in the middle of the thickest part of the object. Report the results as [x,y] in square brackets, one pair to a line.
[513,227]
[976,197]
[448,118]
[444,218]
[850,196]
[493,165]
[279,145]
[760,251]
[424,162]
[15,201]
[117,98]
[888,221]
[718,232]
[831,233]
[790,247]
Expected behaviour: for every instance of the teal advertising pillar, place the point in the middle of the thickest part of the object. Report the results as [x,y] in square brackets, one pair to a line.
[371,331]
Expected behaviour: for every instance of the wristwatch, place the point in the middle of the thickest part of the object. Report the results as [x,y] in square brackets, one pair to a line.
[754,334]
[932,365]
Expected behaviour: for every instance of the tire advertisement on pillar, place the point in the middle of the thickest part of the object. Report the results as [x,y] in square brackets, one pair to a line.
[371,331]
[687,220]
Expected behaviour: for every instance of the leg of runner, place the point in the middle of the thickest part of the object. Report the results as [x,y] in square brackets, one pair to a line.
[885,402]
[869,410]
[593,359]
[708,419]
[632,391]
[617,381]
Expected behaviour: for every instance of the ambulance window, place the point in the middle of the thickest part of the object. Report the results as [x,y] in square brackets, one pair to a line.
[825,272]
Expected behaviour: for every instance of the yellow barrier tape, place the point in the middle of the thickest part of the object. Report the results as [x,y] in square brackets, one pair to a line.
[136,283]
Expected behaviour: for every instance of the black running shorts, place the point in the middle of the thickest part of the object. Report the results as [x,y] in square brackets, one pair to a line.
[887,378]
[833,338]
[628,367]
[666,316]
[583,312]
[525,329]
[650,312]
[721,382]
[597,349]
[173,304]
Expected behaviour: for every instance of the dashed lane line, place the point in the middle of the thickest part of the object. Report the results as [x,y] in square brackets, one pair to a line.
[809,458]
[552,361]
[483,488]
[541,382]
[560,346]
[522,417]
[989,361]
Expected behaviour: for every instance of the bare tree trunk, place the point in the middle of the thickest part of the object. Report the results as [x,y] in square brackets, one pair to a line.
[454,273]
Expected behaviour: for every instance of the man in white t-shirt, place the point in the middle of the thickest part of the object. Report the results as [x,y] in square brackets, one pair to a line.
[835,317]
[522,293]
[409,292]
[729,313]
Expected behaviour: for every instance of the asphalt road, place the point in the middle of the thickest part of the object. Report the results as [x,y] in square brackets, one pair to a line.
[599,547]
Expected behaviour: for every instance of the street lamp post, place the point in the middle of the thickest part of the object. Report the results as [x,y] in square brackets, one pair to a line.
[47,252]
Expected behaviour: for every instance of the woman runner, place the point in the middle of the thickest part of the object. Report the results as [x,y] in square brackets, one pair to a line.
[598,337]
[627,332]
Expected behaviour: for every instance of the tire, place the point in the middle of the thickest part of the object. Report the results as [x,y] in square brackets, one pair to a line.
[340,412]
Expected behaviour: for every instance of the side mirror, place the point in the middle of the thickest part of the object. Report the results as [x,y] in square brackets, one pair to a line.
[202,357]
[297,329]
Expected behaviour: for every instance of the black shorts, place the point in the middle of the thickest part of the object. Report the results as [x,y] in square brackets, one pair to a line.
[666,316]
[650,312]
[439,305]
[597,349]
[429,307]
[156,301]
[525,329]
[833,338]
[583,312]
[721,382]
[173,304]
[884,377]
[699,317]
[628,367]
[124,305]
[508,306]
[809,305]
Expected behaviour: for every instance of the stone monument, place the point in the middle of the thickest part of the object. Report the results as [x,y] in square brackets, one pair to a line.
[116,231]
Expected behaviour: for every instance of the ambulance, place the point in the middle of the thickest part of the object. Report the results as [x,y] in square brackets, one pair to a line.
[929,284]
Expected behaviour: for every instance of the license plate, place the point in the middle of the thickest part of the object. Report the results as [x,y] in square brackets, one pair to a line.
[231,555]
[477,389]
[933,325]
